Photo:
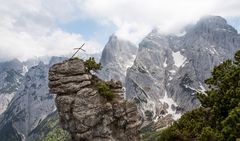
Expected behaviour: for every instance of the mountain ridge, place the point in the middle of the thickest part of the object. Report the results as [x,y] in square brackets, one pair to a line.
[169,70]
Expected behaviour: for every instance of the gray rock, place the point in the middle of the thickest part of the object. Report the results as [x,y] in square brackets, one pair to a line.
[117,56]
[170,69]
[70,67]
[11,78]
[85,113]
[30,102]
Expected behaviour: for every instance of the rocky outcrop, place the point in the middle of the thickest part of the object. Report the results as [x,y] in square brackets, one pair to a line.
[84,112]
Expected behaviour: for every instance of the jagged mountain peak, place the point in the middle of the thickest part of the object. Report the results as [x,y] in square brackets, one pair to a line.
[117,44]
[117,56]
[14,64]
[41,63]
[15,60]
[214,33]
[212,20]
[116,38]
[156,33]
[113,37]
[214,25]
[169,70]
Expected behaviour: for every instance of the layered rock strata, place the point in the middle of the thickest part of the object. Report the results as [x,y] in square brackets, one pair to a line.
[84,112]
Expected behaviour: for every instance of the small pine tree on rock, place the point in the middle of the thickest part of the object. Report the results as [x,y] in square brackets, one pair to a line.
[90,64]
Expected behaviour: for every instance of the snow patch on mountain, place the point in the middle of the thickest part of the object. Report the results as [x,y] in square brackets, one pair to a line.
[5,100]
[181,34]
[165,63]
[129,63]
[25,69]
[172,71]
[178,58]
[171,103]
[203,89]
[212,50]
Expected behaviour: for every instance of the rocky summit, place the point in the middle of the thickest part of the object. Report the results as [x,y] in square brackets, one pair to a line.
[84,112]
[170,69]
[117,56]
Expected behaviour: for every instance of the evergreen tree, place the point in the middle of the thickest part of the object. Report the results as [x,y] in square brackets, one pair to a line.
[91,64]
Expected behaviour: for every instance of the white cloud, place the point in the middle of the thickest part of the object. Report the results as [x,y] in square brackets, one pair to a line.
[22,45]
[135,18]
[29,28]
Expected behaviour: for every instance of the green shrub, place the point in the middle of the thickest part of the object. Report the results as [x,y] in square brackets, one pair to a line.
[151,136]
[57,134]
[90,64]
[105,91]
[209,134]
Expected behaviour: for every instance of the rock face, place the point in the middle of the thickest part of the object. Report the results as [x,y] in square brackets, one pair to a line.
[11,76]
[31,104]
[117,56]
[84,112]
[170,69]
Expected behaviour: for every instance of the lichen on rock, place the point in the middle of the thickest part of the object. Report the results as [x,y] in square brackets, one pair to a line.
[85,113]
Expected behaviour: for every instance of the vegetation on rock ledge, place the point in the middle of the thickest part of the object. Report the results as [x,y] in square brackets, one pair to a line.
[57,134]
[90,64]
[105,91]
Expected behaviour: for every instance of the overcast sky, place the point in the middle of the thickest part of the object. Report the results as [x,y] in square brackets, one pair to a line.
[30,28]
